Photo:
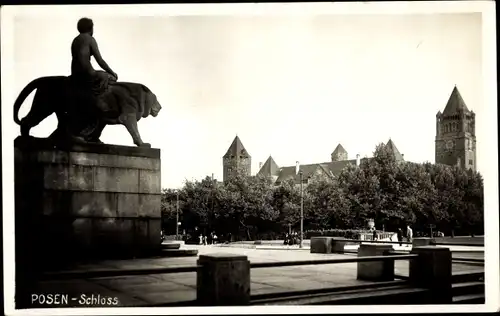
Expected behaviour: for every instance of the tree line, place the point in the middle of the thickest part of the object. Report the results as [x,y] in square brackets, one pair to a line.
[392,193]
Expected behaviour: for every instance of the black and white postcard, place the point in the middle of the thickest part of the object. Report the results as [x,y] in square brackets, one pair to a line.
[250,158]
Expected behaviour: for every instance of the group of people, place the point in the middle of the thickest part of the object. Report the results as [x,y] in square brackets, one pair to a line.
[291,239]
[400,235]
[211,239]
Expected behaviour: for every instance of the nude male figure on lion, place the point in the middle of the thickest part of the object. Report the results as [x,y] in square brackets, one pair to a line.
[88,100]
[82,48]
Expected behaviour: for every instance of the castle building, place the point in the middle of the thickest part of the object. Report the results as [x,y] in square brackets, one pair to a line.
[323,170]
[455,146]
[237,157]
[456,134]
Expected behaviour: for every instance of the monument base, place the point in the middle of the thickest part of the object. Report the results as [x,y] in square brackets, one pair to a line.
[85,201]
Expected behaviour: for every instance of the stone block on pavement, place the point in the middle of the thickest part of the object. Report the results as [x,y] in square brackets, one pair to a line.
[375,270]
[321,244]
[223,279]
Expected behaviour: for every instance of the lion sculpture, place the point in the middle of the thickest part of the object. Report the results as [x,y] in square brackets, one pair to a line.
[80,121]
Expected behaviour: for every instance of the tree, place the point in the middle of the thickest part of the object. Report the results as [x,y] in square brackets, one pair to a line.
[372,189]
[197,206]
[329,206]
[417,195]
[169,210]
[471,205]
[286,200]
[362,193]
[458,199]
[245,203]
[381,188]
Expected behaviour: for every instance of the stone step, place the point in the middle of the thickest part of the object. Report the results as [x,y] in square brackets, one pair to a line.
[468,276]
[469,299]
[179,252]
[385,295]
[269,297]
[170,246]
[466,288]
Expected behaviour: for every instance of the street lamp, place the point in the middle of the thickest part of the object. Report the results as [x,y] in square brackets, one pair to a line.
[301,209]
[177,217]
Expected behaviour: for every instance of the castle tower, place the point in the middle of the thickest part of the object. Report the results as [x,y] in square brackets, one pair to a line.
[339,154]
[456,134]
[270,169]
[236,158]
[394,150]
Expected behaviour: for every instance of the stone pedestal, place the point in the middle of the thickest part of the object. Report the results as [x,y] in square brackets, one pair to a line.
[432,270]
[85,201]
[328,244]
[321,244]
[375,270]
[223,279]
[338,244]
[421,241]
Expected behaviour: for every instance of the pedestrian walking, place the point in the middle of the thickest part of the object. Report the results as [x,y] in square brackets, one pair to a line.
[375,237]
[409,233]
[400,236]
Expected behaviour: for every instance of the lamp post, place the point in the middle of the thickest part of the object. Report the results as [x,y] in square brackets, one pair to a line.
[177,217]
[301,209]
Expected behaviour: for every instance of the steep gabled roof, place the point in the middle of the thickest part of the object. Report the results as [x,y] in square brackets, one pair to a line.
[326,170]
[288,173]
[339,150]
[455,103]
[336,167]
[270,168]
[308,170]
[397,155]
[236,150]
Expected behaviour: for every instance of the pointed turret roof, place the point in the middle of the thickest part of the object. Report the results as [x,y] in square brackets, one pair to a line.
[392,147]
[455,103]
[236,150]
[270,168]
[339,150]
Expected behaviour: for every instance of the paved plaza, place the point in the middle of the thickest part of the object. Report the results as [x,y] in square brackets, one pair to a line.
[169,288]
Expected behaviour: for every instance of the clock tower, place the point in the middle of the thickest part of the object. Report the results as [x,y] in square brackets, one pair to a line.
[456,134]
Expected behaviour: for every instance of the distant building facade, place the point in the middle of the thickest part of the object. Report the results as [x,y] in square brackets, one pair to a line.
[317,171]
[237,157]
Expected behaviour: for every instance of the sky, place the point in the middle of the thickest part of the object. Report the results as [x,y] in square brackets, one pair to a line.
[290,86]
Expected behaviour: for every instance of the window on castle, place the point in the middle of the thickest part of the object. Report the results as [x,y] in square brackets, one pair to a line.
[470,162]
